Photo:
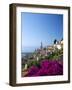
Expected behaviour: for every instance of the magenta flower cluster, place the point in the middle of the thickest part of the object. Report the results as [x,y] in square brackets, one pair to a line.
[46,68]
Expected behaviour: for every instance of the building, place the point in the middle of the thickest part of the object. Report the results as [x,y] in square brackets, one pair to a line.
[58,44]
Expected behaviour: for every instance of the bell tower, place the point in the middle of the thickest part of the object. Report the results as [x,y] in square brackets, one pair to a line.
[41,45]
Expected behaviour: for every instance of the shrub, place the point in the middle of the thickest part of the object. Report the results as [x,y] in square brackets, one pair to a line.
[47,68]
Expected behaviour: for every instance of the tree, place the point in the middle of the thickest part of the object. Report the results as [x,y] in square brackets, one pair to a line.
[55,41]
[62,39]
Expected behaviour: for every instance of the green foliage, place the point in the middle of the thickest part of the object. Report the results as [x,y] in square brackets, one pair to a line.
[44,48]
[34,62]
[55,41]
[55,55]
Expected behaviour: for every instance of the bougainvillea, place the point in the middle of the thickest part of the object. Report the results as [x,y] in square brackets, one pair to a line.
[47,68]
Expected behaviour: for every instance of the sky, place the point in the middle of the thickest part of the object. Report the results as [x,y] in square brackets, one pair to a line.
[37,28]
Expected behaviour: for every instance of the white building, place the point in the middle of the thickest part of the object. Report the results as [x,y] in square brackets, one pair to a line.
[59,44]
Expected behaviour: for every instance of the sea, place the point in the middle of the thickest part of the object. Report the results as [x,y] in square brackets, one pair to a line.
[28,50]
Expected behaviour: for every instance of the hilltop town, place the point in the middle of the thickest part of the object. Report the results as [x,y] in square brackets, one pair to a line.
[52,52]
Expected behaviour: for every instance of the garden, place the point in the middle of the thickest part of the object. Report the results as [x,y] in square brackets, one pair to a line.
[45,66]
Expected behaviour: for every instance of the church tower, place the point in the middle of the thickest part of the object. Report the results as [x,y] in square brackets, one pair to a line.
[41,45]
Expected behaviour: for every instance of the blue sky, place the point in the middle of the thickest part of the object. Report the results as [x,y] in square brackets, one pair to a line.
[37,28]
